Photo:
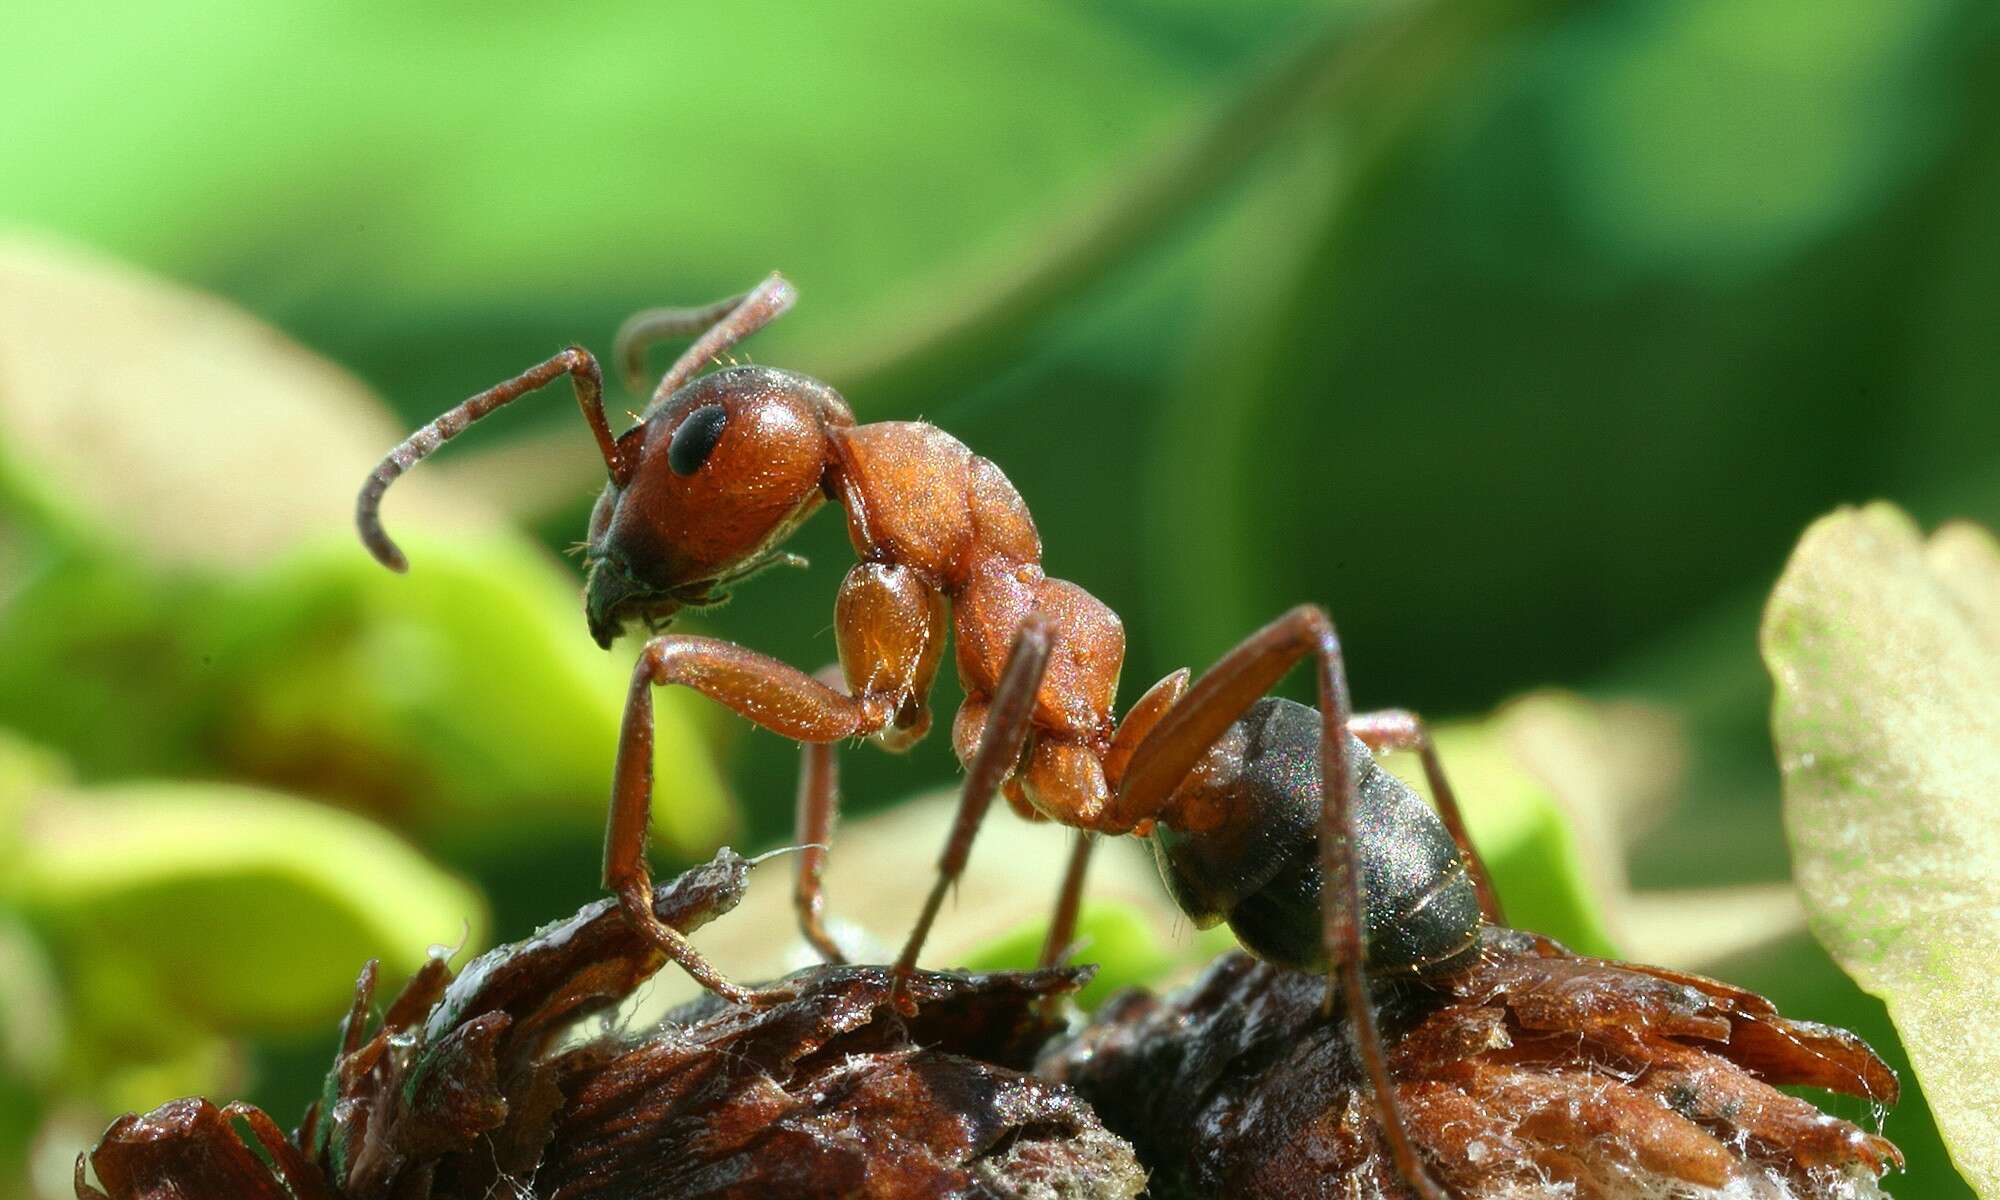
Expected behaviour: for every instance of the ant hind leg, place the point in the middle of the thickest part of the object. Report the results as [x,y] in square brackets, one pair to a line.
[1400,729]
[1187,731]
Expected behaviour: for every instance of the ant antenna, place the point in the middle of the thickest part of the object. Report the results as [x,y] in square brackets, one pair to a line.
[575,362]
[781,851]
[721,325]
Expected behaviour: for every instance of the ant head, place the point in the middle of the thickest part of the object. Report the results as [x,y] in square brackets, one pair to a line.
[718,471]
[717,478]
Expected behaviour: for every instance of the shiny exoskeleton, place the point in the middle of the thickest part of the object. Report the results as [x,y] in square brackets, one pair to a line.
[1419,908]
[1317,858]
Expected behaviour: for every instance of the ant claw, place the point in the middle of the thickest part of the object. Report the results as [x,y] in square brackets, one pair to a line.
[899,995]
[769,997]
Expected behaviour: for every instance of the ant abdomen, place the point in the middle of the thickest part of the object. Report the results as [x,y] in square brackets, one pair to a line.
[1240,843]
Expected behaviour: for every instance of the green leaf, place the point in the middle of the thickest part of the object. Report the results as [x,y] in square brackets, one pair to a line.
[464,695]
[151,421]
[31,1018]
[190,580]
[25,769]
[1120,939]
[92,641]
[1886,653]
[181,907]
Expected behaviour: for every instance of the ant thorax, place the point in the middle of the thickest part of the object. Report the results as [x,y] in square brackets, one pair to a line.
[918,498]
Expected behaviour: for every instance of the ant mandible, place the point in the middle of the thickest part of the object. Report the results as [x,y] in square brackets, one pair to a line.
[723,467]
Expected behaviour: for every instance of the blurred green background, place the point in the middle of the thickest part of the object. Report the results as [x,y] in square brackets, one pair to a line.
[1524,335]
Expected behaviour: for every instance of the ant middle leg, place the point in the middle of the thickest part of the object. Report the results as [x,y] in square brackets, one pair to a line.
[1185,734]
[1008,718]
[819,801]
[817,809]
[770,693]
[1069,901]
[1400,729]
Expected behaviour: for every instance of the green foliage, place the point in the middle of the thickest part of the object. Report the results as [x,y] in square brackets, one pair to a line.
[191,582]
[226,907]
[641,160]
[1771,125]
[462,694]
[1886,652]
[1120,940]
[144,927]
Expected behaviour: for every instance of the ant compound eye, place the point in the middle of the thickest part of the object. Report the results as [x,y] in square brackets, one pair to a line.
[695,440]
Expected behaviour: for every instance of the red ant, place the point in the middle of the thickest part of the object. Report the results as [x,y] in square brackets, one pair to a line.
[723,467]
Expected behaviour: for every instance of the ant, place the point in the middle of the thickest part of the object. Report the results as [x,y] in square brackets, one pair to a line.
[1352,878]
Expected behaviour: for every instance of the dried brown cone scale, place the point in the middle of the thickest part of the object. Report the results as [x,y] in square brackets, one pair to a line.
[834,1094]
[1533,1073]
[467,1088]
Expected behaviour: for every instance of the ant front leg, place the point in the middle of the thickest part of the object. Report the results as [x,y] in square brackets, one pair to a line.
[1400,729]
[771,694]
[1185,734]
[1008,718]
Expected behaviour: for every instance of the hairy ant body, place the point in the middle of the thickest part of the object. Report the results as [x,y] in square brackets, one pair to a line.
[1264,813]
